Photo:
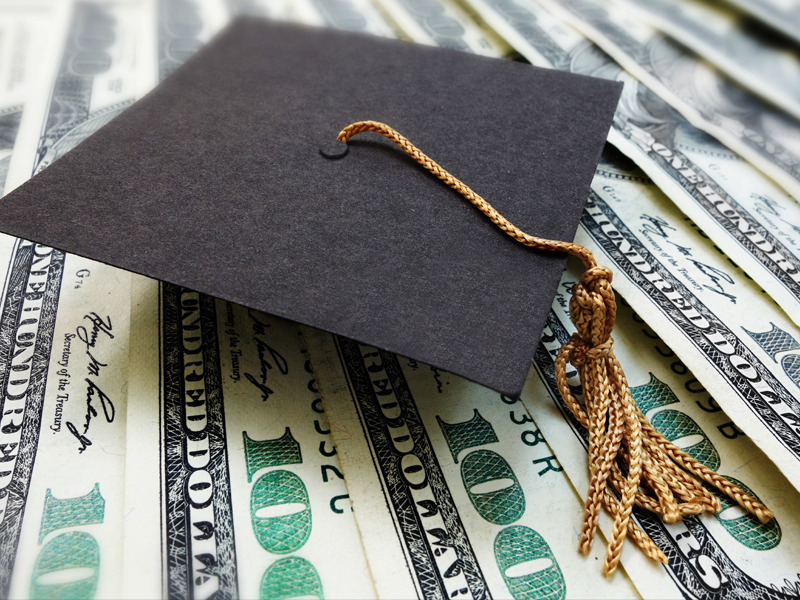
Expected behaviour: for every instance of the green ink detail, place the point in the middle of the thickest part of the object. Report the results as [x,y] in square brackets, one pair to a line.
[519,544]
[653,394]
[675,425]
[285,533]
[71,550]
[261,454]
[59,513]
[747,529]
[502,506]
[290,577]
[468,434]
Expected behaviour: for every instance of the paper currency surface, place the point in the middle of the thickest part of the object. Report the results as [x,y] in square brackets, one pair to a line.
[767,64]
[455,490]
[65,323]
[445,24]
[349,15]
[203,487]
[234,488]
[24,27]
[94,61]
[183,27]
[766,137]
[783,15]
[280,10]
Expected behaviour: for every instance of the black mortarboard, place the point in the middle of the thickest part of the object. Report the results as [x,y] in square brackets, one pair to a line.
[215,181]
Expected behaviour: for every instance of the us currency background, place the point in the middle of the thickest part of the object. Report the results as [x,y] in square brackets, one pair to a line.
[155,442]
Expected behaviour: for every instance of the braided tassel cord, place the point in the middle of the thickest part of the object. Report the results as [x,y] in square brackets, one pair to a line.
[631,464]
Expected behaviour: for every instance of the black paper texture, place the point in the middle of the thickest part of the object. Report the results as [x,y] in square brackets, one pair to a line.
[214,181]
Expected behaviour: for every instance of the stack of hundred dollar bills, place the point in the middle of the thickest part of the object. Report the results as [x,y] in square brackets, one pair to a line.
[278,474]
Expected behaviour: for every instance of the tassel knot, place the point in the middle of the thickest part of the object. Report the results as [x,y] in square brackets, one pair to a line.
[593,307]
[581,350]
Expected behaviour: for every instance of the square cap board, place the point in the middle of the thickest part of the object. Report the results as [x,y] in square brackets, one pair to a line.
[214,181]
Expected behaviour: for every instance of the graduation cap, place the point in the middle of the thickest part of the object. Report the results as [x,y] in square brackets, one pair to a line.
[215,182]
[228,179]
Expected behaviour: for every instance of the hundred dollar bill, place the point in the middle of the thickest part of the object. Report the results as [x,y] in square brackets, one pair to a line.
[749,218]
[64,330]
[728,555]
[783,15]
[349,15]
[455,490]
[176,29]
[184,26]
[746,50]
[234,488]
[447,24]
[24,29]
[94,60]
[272,9]
[767,137]
[738,343]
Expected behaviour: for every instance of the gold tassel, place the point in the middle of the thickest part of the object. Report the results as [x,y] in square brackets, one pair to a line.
[641,465]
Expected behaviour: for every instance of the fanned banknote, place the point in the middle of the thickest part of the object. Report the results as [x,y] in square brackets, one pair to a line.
[175,29]
[445,24]
[280,10]
[64,332]
[767,137]
[184,26]
[749,52]
[233,486]
[749,218]
[348,15]
[455,490]
[64,328]
[24,29]
[94,59]
[783,15]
